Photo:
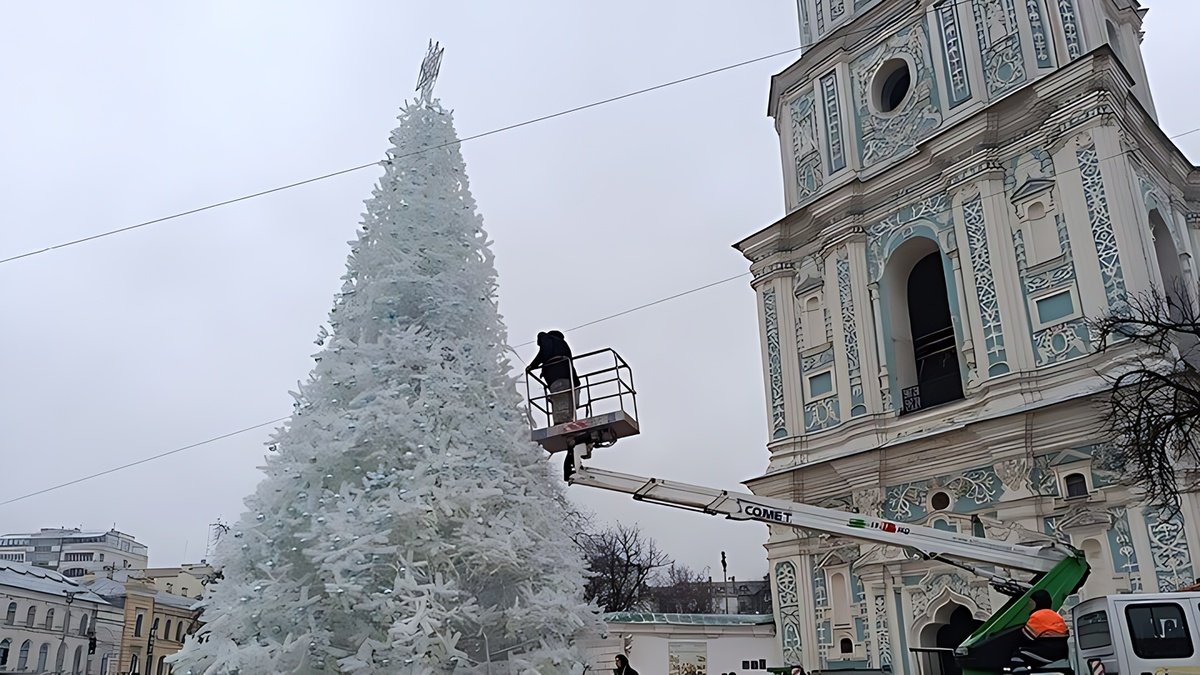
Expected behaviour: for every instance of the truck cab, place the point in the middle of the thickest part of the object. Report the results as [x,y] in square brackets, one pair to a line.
[1139,634]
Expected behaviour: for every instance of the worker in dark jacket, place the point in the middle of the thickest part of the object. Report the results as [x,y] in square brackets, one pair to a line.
[554,358]
[623,667]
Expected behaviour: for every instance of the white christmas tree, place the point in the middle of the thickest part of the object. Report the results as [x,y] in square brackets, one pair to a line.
[406,523]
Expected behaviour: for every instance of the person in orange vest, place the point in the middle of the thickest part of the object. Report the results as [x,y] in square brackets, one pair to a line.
[1045,633]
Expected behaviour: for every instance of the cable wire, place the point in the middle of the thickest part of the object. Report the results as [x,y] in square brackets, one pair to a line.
[413,153]
[160,455]
[525,344]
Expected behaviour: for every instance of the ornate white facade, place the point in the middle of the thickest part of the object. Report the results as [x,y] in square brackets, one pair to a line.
[966,182]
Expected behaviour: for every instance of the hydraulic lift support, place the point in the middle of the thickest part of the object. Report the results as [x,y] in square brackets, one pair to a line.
[1056,568]
[608,402]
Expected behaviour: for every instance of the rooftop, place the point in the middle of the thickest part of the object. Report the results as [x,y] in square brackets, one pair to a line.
[40,580]
[690,619]
[115,589]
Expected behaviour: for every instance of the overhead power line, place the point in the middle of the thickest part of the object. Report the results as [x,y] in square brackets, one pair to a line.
[413,153]
[525,344]
[160,455]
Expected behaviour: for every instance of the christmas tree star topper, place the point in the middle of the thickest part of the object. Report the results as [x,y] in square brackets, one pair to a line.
[429,71]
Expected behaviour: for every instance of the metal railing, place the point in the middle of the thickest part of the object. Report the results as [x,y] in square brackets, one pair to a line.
[935,661]
[605,386]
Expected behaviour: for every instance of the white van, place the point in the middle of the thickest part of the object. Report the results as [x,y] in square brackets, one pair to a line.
[1139,634]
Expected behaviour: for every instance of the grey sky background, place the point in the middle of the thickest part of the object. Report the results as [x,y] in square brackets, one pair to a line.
[139,343]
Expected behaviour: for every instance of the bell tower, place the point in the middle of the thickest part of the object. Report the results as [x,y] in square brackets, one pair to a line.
[966,182]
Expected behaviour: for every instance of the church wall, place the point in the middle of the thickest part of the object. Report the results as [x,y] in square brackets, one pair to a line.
[1031,163]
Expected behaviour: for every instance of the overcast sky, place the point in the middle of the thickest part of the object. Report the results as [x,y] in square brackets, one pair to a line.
[134,344]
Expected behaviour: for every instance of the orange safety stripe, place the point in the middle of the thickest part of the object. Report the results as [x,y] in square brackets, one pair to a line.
[1046,623]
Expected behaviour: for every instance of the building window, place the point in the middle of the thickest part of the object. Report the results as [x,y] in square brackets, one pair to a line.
[43,656]
[935,350]
[162,665]
[1114,37]
[1053,308]
[940,501]
[839,598]
[137,625]
[83,625]
[11,617]
[23,655]
[814,322]
[74,572]
[179,632]
[1041,235]
[1076,485]
[820,385]
[4,647]
[101,557]
[49,619]
[77,663]
[846,646]
[892,84]
[1170,272]
[133,665]
[167,631]
[922,344]
[31,617]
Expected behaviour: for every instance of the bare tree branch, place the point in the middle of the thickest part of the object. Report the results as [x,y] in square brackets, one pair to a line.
[1153,408]
[622,560]
[683,590]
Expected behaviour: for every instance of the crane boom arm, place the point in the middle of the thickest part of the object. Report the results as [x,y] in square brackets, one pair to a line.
[930,542]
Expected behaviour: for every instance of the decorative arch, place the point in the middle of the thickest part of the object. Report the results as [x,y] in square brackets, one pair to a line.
[916,361]
[938,595]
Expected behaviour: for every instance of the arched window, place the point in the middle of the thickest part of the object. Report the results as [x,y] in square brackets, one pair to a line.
[43,656]
[60,658]
[162,666]
[922,347]
[167,631]
[31,617]
[83,625]
[814,322]
[4,647]
[1076,485]
[179,632]
[1114,36]
[49,619]
[846,646]
[133,665]
[1169,270]
[839,598]
[23,655]
[77,662]
[137,625]
[11,616]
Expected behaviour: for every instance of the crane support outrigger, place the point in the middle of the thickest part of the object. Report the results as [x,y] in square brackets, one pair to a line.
[1056,568]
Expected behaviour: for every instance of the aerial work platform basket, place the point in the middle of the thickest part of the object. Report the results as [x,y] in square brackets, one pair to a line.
[597,412]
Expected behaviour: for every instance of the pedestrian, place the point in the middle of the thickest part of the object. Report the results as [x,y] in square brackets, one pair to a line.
[558,373]
[623,667]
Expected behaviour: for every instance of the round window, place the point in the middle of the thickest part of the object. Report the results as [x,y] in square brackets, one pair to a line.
[892,84]
[940,501]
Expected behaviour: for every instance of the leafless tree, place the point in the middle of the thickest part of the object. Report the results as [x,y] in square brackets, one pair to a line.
[622,561]
[1153,408]
[683,590]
